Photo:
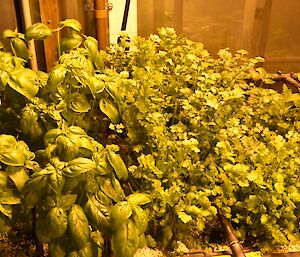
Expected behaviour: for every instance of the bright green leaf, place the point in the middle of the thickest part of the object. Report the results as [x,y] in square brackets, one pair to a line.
[125,240]
[78,226]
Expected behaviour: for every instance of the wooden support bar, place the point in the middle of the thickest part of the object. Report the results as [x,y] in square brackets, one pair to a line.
[283,59]
[49,10]
[159,14]
[265,27]
[248,23]
[178,15]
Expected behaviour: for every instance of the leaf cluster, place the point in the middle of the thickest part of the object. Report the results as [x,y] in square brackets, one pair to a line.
[209,139]
[71,177]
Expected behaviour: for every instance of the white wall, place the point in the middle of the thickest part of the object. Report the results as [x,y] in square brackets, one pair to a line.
[116,18]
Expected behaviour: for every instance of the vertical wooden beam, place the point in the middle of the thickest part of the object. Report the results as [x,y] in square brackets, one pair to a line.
[178,13]
[159,14]
[102,26]
[265,27]
[266,12]
[248,25]
[49,10]
[145,17]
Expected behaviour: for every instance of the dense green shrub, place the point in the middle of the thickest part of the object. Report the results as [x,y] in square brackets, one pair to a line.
[198,138]
[207,139]
[71,183]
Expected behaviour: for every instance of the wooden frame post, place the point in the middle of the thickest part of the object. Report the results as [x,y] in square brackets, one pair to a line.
[49,10]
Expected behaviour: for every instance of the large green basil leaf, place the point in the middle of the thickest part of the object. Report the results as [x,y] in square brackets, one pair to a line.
[22,82]
[49,203]
[7,142]
[6,210]
[57,181]
[57,222]
[108,189]
[41,230]
[139,198]
[119,166]
[100,60]
[86,147]
[34,191]
[51,135]
[86,251]
[75,130]
[120,213]
[95,85]
[78,226]
[30,122]
[57,248]
[38,31]
[72,182]
[91,44]
[32,198]
[98,214]
[66,149]
[36,183]
[69,43]
[103,198]
[10,199]
[91,186]
[141,219]
[13,157]
[117,187]
[20,48]
[8,33]
[19,176]
[110,110]
[79,103]
[67,201]
[125,240]
[56,77]
[97,238]
[78,166]
[71,23]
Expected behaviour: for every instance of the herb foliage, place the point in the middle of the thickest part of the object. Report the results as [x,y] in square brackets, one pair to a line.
[192,136]
[207,139]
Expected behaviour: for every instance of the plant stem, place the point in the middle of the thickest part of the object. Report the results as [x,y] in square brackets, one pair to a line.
[58,43]
[39,245]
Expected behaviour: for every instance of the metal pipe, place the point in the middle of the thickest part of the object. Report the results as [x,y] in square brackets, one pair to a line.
[102,25]
[235,246]
[27,22]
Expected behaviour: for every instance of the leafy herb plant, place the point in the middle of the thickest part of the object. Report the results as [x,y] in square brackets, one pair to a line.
[74,185]
[207,139]
[197,135]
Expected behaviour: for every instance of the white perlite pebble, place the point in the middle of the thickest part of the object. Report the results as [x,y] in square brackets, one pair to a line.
[148,252]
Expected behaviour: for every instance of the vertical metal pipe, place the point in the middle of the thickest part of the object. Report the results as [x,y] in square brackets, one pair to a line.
[102,26]
[235,246]
[28,23]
